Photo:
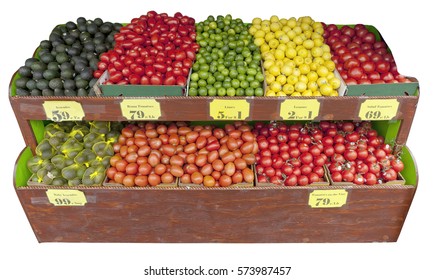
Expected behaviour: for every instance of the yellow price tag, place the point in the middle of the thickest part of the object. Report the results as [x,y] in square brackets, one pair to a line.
[299,109]
[140,109]
[328,198]
[233,109]
[66,197]
[378,109]
[60,111]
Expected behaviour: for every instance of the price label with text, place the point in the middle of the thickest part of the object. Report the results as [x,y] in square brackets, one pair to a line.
[66,197]
[140,109]
[299,109]
[60,111]
[378,109]
[238,109]
[328,198]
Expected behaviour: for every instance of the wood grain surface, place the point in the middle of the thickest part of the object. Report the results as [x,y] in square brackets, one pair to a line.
[197,108]
[372,214]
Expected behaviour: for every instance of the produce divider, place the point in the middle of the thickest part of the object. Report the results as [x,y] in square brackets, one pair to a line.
[191,213]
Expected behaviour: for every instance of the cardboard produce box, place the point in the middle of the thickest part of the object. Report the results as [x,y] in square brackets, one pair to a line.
[101,89]
[410,88]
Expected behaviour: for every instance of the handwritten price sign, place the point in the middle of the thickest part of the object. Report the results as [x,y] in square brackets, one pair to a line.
[229,109]
[60,111]
[140,109]
[378,109]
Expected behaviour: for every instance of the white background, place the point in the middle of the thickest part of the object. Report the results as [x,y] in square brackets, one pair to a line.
[406,27]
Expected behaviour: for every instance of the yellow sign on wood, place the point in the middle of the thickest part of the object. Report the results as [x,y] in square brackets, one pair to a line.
[378,109]
[140,109]
[328,198]
[60,197]
[60,111]
[299,109]
[229,109]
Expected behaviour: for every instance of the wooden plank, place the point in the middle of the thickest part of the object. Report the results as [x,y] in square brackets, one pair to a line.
[197,108]
[374,214]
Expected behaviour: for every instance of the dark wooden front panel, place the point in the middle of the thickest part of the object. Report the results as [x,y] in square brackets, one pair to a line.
[218,215]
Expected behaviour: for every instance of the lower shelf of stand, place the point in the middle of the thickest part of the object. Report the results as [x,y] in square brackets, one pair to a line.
[267,214]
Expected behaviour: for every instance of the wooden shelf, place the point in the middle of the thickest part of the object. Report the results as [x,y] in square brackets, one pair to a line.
[198,108]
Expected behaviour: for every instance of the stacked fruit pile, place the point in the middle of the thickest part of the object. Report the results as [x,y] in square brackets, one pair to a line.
[149,154]
[228,62]
[154,49]
[295,57]
[297,154]
[297,62]
[358,154]
[65,62]
[73,153]
[360,57]
[289,154]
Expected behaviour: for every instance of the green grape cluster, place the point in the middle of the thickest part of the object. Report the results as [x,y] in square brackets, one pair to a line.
[74,153]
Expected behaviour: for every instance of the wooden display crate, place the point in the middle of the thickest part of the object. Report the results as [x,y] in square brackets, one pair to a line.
[257,214]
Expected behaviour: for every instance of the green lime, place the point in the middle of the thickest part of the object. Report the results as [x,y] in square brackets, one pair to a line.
[221,91]
[249,91]
[242,77]
[232,45]
[257,56]
[211,80]
[213,68]
[259,92]
[250,78]
[201,83]
[230,91]
[259,77]
[204,67]
[193,85]
[239,92]
[192,92]
[240,63]
[194,77]
[244,84]
[196,67]
[239,49]
[220,67]
[212,91]
[213,25]
[251,71]
[219,76]
[203,75]
[214,56]
[202,91]
[255,84]
[208,58]
[241,70]
[227,84]
[233,74]
[235,83]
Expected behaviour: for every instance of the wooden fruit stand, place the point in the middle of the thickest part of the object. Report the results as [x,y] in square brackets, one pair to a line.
[184,214]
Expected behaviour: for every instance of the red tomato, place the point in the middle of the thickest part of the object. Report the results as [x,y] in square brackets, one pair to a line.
[355,73]
[156,80]
[382,66]
[351,63]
